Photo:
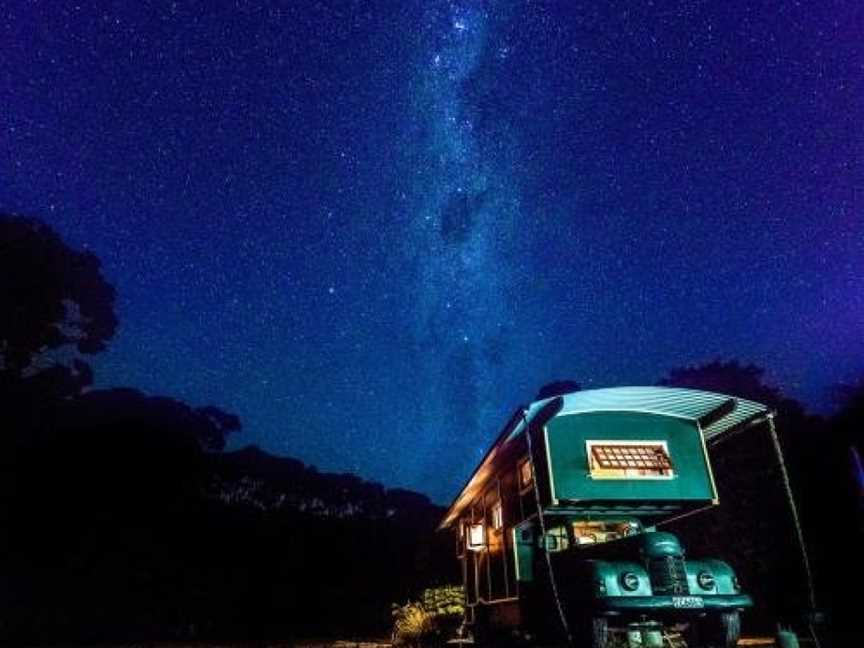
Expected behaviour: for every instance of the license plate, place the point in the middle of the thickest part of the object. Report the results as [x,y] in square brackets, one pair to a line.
[687,602]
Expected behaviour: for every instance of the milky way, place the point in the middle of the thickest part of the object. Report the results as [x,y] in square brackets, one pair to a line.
[373,229]
[462,244]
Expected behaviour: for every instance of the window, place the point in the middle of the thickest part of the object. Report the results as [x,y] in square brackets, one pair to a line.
[588,533]
[476,537]
[497,515]
[556,539]
[629,460]
[460,539]
[526,474]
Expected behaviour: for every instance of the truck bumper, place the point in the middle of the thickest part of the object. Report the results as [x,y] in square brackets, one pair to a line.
[667,604]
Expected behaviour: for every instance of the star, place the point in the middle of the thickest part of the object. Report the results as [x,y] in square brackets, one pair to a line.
[505,198]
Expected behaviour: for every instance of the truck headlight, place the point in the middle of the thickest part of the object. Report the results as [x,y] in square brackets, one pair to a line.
[705,580]
[629,581]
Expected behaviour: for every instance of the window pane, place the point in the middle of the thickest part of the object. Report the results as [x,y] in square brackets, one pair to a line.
[627,459]
[497,516]
[526,475]
[556,539]
[587,533]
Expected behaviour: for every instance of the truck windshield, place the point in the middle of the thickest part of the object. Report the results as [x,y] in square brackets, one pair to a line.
[586,533]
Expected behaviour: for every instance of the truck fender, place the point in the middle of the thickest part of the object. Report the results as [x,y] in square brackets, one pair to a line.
[607,577]
[725,581]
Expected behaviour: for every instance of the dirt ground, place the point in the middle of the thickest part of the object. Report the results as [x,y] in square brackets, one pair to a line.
[761,642]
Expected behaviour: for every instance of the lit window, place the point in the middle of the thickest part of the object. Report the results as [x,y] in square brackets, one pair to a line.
[497,516]
[556,539]
[629,459]
[526,474]
[586,533]
[476,537]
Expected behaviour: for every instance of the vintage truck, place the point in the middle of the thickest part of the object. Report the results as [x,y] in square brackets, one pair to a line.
[556,528]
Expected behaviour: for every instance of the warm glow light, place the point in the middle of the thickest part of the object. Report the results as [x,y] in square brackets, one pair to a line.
[629,460]
[477,537]
[526,474]
[497,516]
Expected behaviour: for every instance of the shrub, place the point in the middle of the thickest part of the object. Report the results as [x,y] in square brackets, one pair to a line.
[413,626]
[428,623]
[445,601]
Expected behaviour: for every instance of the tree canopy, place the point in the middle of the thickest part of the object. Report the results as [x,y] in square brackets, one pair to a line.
[557,388]
[731,377]
[51,296]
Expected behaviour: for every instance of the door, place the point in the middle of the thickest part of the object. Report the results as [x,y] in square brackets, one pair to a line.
[524,547]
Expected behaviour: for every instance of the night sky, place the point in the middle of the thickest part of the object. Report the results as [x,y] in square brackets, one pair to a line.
[373,229]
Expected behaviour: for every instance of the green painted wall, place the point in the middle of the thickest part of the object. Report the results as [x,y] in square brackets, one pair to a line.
[567,435]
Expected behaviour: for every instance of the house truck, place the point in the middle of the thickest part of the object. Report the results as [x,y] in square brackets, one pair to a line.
[556,529]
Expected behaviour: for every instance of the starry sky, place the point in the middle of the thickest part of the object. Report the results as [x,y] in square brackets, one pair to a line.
[372,229]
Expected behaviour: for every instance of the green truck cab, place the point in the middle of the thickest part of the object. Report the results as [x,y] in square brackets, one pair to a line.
[556,528]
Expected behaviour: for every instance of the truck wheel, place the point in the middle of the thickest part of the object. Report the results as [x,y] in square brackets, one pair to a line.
[714,631]
[593,632]
[728,630]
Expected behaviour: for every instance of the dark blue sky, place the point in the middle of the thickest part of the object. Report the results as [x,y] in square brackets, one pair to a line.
[372,229]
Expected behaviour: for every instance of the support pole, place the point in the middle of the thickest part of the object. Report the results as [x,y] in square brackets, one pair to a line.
[793,507]
[561,615]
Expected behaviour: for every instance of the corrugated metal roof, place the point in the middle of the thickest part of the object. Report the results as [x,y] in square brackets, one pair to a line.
[719,413]
[691,404]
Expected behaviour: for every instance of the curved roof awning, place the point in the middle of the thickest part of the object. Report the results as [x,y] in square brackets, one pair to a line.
[716,414]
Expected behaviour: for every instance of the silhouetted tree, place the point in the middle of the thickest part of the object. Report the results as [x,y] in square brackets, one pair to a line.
[731,377]
[121,518]
[850,398]
[557,388]
[848,426]
[756,532]
[840,487]
[51,296]
[219,425]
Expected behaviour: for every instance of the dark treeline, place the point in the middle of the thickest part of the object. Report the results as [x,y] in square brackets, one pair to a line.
[123,528]
[119,525]
[753,527]
[123,518]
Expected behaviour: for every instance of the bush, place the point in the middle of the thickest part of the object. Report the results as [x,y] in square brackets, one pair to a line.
[430,622]
[413,626]
[445,601]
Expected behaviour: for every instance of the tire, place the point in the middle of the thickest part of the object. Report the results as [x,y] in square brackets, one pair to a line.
[691,634]
[593,632]
[729,631]
[714,631]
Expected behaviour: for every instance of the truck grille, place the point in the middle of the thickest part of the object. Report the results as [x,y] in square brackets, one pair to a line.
[668,575]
